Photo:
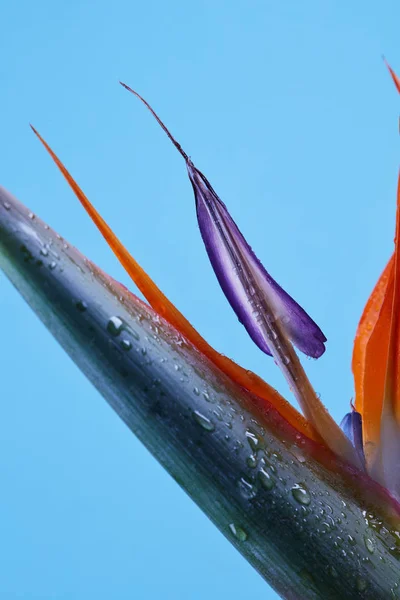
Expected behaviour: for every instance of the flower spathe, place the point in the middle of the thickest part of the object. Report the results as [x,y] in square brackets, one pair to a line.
[371,432]
[242,277]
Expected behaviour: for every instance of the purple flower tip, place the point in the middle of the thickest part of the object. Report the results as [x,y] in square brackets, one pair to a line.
[245,282]
[256,298]
[351,425]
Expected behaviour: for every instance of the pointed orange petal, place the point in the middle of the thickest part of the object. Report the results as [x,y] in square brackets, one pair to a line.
[376,347]
[396,80]
[392,387]
[386,469]
[366,326]
[165,308]
[370,354]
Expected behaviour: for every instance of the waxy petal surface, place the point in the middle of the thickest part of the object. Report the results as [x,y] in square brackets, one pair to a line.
[239,273]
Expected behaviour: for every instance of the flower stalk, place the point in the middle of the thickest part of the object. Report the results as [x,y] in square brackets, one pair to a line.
[311,525]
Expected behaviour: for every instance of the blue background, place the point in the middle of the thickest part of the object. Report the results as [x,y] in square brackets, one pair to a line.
[289,111]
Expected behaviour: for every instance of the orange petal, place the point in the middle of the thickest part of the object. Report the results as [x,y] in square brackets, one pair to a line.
[376,346]
[370,355]
[165,308]
[386,469]
[392,387]
[396,80]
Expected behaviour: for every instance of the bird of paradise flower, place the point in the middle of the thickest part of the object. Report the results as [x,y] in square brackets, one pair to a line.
[369,436]
[339,463]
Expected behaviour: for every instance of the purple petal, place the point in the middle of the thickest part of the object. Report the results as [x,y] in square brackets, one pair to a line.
[241,275]
[351,425]
[249,288]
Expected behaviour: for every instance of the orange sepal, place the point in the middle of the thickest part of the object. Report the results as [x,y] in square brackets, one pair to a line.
[376,355]
[396,80]
[392,383]
[370,355]
[373,364]
[166,309]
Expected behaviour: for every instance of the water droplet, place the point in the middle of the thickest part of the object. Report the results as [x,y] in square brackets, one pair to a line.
[271,467]
[238,532]
[126,345]
[52,265]
[251,461]
[81,305]
[338,541]
[255,441]
[44,252]
[46,227]
[301,494]
[396,533]
[144,351]
[351,540]
[196,391]
[203,421]
[7,205]
[114,326]
[326,527]
[395,552]
[266,480]
[369,544]
[247,489]
[218,413]
[31,215]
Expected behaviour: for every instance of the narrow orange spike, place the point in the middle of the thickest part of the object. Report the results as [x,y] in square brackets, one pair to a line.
[370,355]
[392,383]
[166,309]
[396,80]
[373,348]
[386,469]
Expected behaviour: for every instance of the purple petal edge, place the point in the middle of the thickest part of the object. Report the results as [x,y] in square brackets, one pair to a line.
[351,425]
[255,297]
[215,223]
